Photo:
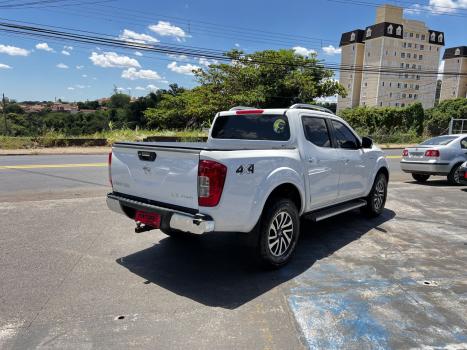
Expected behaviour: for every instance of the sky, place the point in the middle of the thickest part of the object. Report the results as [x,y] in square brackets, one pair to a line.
[34,68]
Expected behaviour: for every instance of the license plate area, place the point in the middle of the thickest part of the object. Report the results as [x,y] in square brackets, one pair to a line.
[150,219]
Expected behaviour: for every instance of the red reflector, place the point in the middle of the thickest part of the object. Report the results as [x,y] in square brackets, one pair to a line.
[432,153]
[110,166]
[465,174]
[405,153]
[150,219]
[250,111]
[211,178]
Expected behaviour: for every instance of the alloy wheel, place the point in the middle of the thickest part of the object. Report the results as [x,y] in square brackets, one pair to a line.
[280,233]
[379,194]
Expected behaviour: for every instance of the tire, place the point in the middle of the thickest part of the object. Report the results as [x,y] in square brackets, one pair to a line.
[377,197]
[453,177]
[420,177]
[279,230]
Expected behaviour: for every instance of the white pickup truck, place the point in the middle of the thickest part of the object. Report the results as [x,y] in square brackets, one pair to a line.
[258,173]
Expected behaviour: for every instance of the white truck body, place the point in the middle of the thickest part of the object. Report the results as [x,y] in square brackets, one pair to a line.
[321,176]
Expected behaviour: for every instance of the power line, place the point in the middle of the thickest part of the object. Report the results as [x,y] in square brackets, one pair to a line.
[193,52]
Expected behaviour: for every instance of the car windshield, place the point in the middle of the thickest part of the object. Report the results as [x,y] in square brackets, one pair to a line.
[440,140]
[274,127]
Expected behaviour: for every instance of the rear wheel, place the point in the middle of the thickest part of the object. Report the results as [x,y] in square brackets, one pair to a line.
[377,197]
[454,175]
[420,177]
[278,233]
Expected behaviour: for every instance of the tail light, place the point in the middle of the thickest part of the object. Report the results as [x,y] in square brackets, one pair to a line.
[211,178]
[432,153]
[405,153]
[465,174]
[110,168]
[250,111]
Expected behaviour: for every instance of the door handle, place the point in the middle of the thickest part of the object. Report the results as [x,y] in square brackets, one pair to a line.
[346,161]
[311,159]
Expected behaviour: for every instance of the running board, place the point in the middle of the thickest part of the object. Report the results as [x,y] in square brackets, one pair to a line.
[336,210]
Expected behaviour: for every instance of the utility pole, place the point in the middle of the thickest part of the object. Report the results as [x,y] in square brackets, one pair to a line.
[4,113]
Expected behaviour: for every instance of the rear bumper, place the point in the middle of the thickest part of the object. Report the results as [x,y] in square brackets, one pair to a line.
[439,168]
[170,218]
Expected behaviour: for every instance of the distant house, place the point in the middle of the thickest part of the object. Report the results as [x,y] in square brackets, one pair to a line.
[34,108]
[64,107]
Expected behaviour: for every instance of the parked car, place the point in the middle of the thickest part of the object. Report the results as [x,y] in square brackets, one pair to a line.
[442,155]
[258,173]
[463,173]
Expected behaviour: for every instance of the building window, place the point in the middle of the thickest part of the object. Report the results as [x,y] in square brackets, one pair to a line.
[419,67]
[402,104]
[415,96]
[415,55]
[414,66]
[352,37]
[417,36]
[397,104]
[415,46]
[404,95]
[405,86]
[406,76]
[404,45]
[433,36]
[423,37]
[437,49]
[411,35]
[402,54]
[399,31]
[457,52]
[409,45]
[402,65]
[390,29]
[368,32]
[390,84]
[418,77]
[398,85]
[390,94]
[420,57]
[410,95]
[408,55]
[407,65]
[386,52]
[417,87]
[368,54]
[381,104]
[383,83]
[422,47]
[366,84]
[440,38]
[406,34]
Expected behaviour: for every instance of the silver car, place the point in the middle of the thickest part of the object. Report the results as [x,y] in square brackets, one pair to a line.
[442,155]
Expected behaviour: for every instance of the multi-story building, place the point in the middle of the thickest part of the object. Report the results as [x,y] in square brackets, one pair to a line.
[455,61]
[390,63]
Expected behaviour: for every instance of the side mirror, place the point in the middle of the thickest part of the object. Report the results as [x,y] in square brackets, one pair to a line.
[367,142]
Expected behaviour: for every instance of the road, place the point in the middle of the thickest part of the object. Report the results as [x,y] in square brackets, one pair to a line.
[68,176]
[75,276]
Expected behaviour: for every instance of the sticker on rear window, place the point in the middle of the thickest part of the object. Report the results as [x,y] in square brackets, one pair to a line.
[279,126]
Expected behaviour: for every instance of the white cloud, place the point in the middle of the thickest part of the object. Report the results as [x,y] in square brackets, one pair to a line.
[437,7]
[68,48]
[133,37]
[331,50]
[166,29]
[139,54]
[79,67]
[13,50]
[140,88]
[62,66]
[133,74]
[329,99]
[183,69]
[112,59]
[237,45]
[4,66]
[151,87]
[303,51]
[70,88]
[44,47]
[178,57]
[66,53]
[84,75]
[205,62]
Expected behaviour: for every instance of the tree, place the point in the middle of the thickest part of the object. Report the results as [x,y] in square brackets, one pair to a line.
[119,100]
[265,79]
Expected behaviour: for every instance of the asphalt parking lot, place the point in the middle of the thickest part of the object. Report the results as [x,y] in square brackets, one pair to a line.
[74,275]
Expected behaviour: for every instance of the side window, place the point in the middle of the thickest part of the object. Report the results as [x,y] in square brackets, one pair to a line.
[464,143]
[316,131]
[344,137]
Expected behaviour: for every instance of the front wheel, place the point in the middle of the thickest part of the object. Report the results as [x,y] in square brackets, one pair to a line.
[420,177]
[377,197]
[279,231]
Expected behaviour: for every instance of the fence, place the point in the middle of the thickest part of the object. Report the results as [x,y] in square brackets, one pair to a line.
[458,126]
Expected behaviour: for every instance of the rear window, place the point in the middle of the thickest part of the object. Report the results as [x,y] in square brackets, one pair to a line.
[272,127]
[440,140]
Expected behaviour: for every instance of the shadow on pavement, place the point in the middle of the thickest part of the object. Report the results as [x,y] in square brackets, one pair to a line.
[433,183]
[218,269]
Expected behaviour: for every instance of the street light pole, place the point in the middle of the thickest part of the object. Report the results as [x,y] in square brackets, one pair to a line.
[4,113]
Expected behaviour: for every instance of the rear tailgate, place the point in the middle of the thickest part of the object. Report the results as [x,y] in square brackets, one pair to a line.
[417,154]
[162,174]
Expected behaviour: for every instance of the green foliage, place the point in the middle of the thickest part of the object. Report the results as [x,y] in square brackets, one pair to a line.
[119,100]
[438,118]
[266,79]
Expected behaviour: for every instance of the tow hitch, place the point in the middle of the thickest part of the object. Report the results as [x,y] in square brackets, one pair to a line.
[140,227]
